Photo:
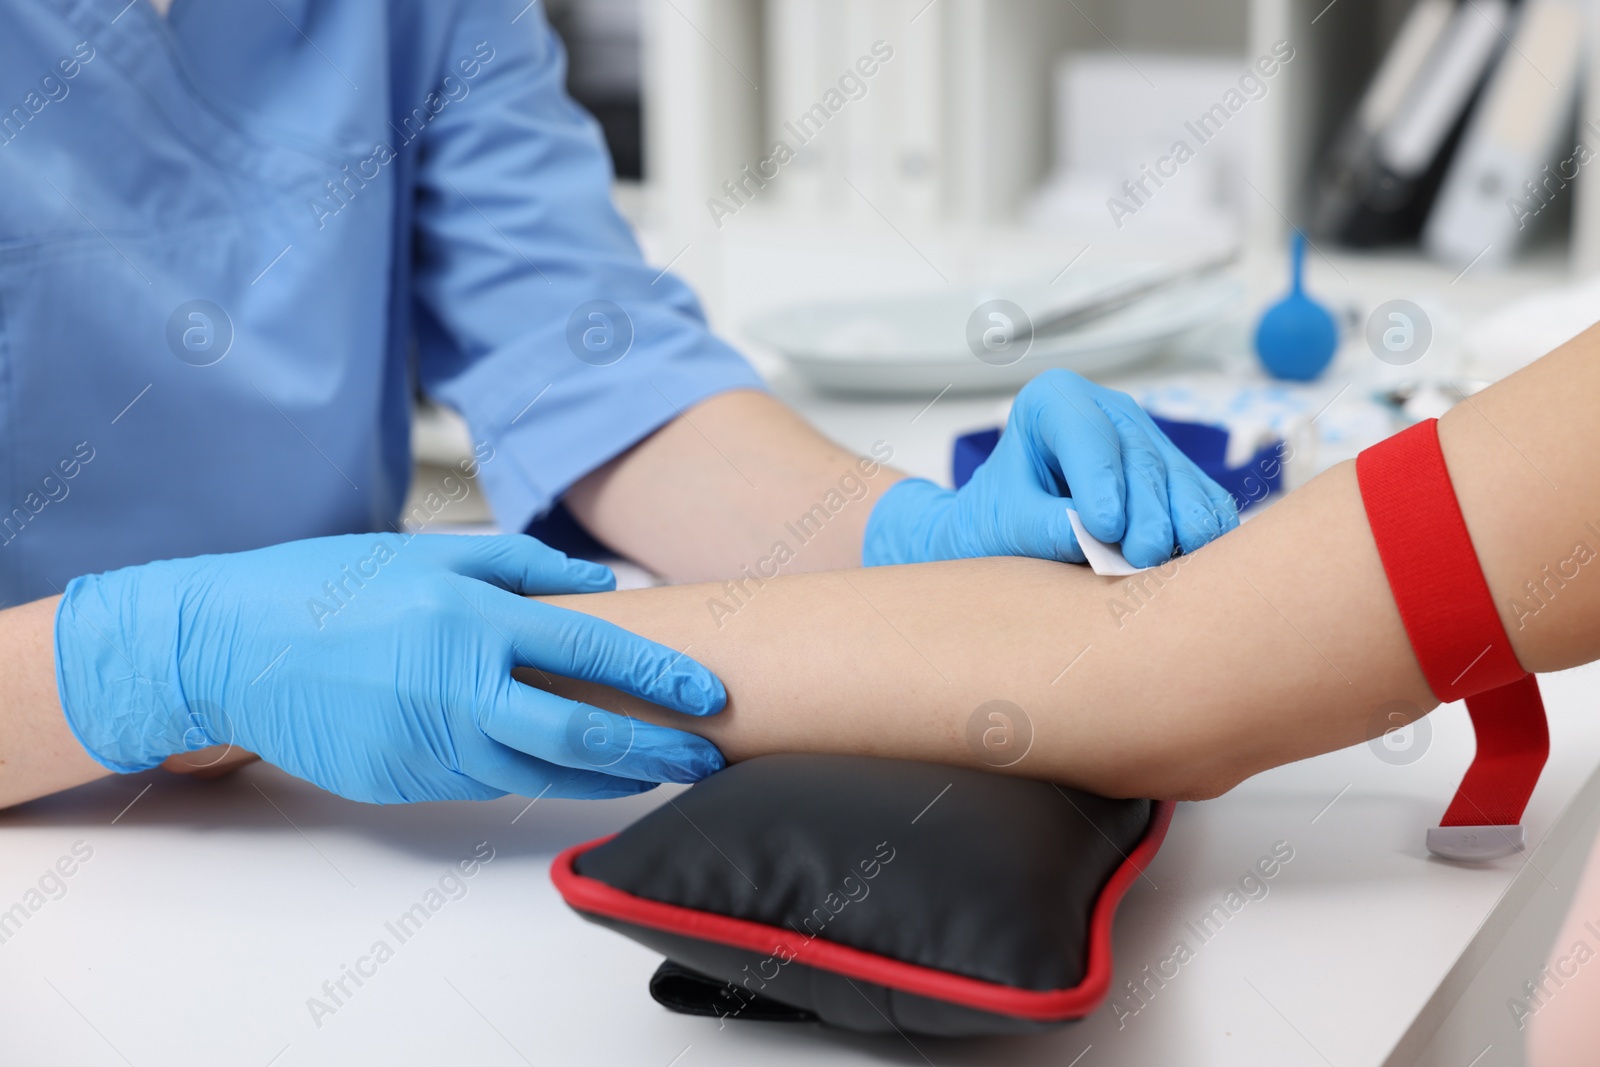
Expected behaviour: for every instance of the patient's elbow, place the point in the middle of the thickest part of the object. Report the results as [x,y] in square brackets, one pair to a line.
[1207,789]
[1183,780]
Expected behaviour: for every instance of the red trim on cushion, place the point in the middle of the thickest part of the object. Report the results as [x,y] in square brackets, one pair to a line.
[1450,617]
[589,895]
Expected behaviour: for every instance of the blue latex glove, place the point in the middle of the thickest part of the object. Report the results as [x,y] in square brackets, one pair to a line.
[1066,437]
[377,666]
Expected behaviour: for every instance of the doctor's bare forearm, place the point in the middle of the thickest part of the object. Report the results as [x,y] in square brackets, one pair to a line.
[737,483]
[1276,642]
[38,754]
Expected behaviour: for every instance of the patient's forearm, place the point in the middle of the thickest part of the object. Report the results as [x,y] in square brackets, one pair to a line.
[38,753]
[1277,642]
[1175,686]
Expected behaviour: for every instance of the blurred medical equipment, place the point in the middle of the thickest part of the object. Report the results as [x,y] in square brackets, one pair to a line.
[1116,296]
[975,339]
[1297,336]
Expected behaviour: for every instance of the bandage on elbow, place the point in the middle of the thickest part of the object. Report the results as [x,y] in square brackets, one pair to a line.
[1459,641]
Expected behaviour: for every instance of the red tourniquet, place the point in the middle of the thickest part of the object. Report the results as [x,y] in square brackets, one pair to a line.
[1450,617]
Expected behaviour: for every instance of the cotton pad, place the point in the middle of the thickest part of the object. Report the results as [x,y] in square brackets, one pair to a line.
[1103,558]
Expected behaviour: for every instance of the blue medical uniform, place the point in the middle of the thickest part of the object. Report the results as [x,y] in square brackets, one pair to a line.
[235,242]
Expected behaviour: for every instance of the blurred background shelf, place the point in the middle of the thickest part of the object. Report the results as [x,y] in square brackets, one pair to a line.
[972,117]
[984,149]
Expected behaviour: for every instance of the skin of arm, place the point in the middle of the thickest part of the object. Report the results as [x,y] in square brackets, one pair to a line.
[38,753]
[1277,642]
[709,493]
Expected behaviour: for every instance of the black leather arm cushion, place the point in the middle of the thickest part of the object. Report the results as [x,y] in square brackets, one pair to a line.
[872,894]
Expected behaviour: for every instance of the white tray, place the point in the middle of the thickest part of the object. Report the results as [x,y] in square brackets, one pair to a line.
[910,345]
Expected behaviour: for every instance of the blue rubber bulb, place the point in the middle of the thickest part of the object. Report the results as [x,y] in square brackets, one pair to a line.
[1297,336]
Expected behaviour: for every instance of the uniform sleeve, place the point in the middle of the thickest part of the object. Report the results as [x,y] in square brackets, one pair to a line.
[537,317]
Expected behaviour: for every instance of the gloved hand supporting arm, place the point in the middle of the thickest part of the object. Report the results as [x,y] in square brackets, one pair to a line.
[377,666]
